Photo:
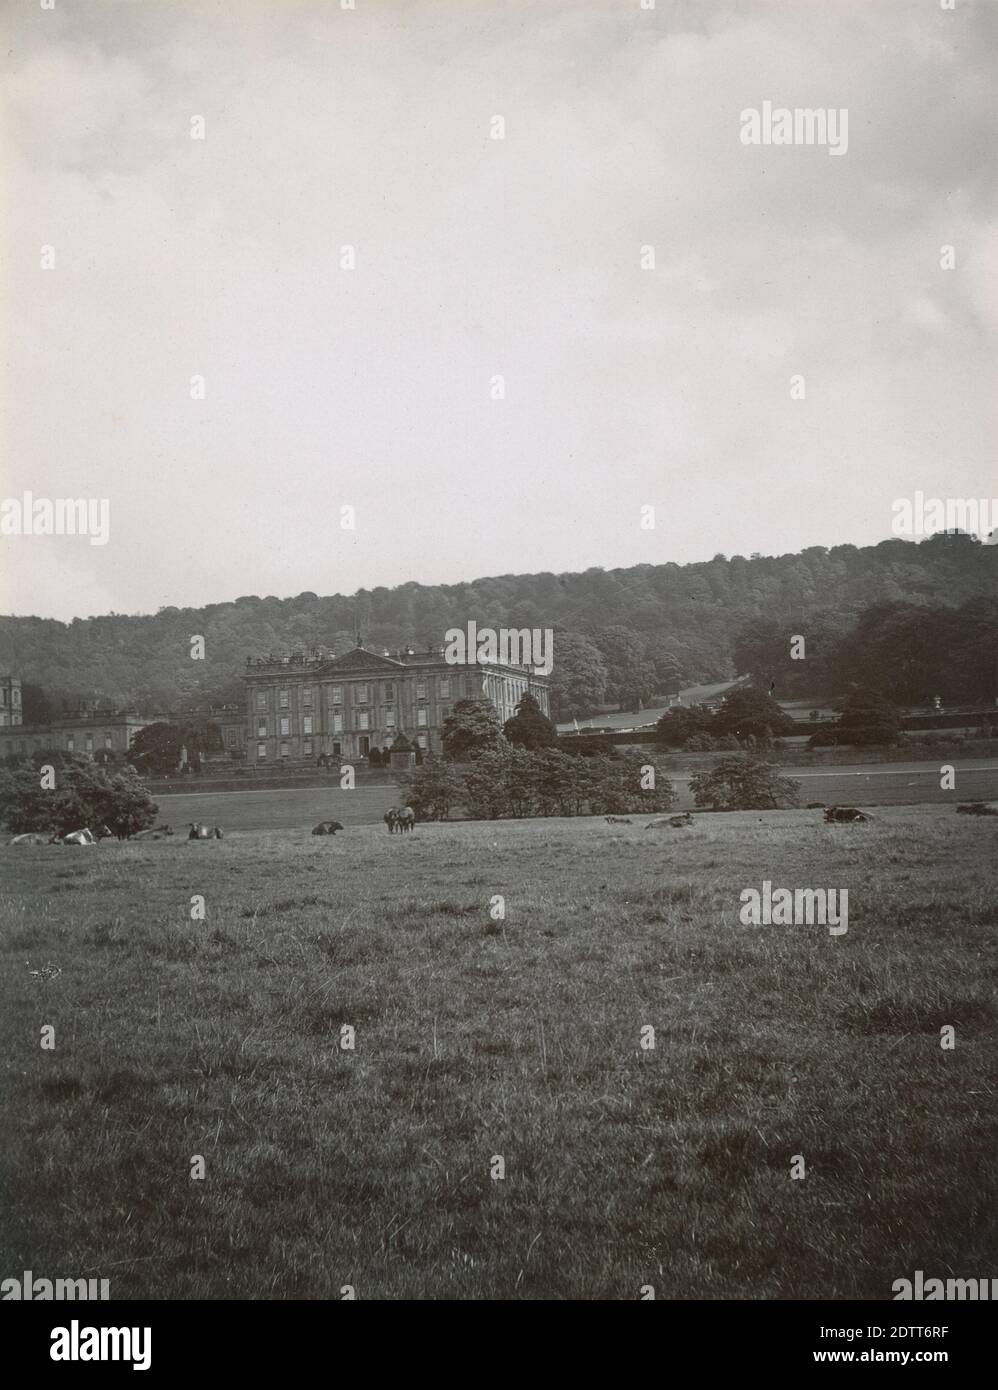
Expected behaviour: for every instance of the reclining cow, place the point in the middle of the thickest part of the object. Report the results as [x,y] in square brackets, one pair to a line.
[86,836]
[978,808]
[327,827]
[846,815]
[31,837]
[204,832]
[155,832]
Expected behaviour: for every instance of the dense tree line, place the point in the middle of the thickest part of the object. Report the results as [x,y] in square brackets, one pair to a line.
[747,718]
[908,652]
[510,781]
[621,636]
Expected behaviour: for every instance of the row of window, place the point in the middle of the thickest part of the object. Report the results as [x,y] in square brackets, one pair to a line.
[362,723]
[23,745]
[361,692]
[308,749]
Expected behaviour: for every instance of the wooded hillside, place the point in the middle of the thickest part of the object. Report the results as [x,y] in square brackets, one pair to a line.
[622,634]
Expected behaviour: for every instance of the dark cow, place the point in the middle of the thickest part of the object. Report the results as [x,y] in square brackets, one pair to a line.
[204,832]
[815,805]
[327,827]
[155,832]
[399,818]
[675,822]
[617,820]
[974,808]
[846,815]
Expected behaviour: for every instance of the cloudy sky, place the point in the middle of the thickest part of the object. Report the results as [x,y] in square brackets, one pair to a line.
[625,387]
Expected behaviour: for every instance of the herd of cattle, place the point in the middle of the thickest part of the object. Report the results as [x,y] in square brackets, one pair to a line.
[402,819]
[397,818]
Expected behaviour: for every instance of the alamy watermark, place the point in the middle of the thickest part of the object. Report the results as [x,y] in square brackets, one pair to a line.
[29,515]
[28,1288]
[923,516]
[921,1289]
[509,646]
[795,907]
[827,126]
[76,1343]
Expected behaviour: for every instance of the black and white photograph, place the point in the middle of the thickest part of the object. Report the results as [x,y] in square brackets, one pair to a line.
[499,667]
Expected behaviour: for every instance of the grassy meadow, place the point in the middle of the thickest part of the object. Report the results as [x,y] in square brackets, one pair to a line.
[520,1038]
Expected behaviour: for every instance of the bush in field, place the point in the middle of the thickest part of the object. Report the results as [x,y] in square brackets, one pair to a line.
[84,794]
[743,784]
[622,787]
[547,782]
[486,785]
[432,789]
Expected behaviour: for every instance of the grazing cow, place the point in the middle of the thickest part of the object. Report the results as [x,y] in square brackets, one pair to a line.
[617,820]
[31,837]
[155,832]
[846,814]
[204,832]
[978,808]
[327,827]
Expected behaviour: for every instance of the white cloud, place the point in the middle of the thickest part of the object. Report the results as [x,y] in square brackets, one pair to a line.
[478,257]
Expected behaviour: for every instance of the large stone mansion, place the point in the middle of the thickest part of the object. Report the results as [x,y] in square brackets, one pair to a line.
[313,704]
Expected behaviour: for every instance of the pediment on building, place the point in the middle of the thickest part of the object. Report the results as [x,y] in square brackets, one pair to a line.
[361,663]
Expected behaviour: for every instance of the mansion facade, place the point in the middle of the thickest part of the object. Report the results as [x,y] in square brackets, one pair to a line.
[310,705]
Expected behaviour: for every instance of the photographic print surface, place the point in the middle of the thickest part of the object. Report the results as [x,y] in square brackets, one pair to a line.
[498,677]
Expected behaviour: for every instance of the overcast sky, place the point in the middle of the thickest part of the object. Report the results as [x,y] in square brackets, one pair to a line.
[476,257]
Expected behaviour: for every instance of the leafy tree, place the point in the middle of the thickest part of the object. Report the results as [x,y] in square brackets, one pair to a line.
[486,790]
[579,677]
[158,747]
[865,719]
[432,789]
[84,794]
[631,676]
[747,711]
[681,723]
[471,728]
[530,727]
[35,706]
[621,787]
[743,784]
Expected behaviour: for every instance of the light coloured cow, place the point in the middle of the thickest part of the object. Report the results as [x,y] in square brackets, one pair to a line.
[86,836]
[204,832]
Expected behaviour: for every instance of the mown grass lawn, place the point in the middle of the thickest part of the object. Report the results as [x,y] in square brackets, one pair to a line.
[624,1167]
